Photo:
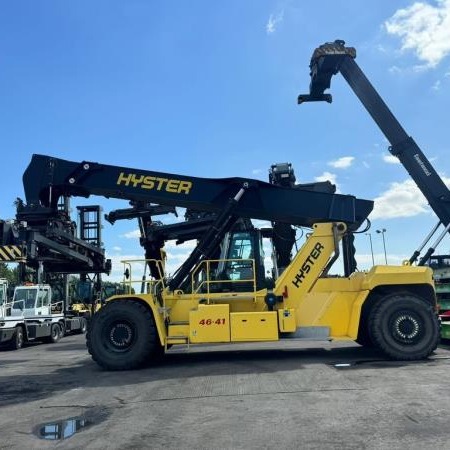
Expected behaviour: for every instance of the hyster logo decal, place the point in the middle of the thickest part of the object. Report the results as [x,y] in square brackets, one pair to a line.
[306,266]
[157,183]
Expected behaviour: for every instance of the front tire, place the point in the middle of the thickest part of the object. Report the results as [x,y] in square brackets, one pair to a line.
[122,336]
[18,339]
[404,327]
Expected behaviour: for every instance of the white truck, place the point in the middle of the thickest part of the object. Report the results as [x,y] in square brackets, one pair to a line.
[8,322]
[32,314]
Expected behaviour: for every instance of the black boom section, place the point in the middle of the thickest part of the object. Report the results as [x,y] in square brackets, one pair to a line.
[48,178]
[333,57]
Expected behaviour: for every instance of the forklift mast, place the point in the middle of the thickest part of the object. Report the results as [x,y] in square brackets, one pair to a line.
[334,57]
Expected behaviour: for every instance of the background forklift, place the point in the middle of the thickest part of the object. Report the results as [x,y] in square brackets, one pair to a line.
[47,249]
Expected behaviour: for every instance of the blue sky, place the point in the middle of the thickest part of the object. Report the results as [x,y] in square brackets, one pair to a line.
[209,88]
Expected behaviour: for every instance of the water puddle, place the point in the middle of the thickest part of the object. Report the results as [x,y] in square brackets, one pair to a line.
[63,429]
[59,430]
[380,363]
[342,365]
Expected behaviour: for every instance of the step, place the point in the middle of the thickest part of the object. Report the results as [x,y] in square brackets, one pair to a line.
[177,339]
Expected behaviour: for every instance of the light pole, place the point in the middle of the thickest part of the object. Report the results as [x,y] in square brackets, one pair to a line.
[371,247]
[382,231]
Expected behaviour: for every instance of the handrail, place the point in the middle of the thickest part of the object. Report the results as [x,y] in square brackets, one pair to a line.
[208,281]
[150,284]
[208,266]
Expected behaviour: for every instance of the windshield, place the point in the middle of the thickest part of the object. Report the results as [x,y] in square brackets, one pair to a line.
[439,261]
[240,252]
[24,298]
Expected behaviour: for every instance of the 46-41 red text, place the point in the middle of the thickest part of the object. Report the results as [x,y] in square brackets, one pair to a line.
[212,322]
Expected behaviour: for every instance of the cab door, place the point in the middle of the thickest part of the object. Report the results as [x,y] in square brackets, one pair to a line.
[42,302]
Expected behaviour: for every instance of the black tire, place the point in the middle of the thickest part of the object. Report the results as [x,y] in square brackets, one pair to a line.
[62,330]
[83,326]
[363,338]
[55,334]
[404,327]
[18,339]
[122,336]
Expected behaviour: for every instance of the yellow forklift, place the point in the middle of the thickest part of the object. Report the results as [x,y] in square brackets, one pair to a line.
[221,294]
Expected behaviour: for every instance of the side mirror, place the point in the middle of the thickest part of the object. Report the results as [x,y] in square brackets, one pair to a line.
[127,273]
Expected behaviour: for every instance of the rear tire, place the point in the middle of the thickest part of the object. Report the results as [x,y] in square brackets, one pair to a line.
[122,336]
[62,330]
[83,326]
[404,327]
[17,340]
[55,334]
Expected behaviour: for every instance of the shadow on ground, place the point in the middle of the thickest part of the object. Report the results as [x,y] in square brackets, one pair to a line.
[60,377]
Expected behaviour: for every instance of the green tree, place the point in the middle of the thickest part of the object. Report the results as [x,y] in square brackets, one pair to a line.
[10,273]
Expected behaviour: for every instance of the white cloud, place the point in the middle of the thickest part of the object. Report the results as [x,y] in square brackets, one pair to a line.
[400,200]
[327,176]
[391,159]
[366,164]
[135,234]
[436,86]
[423,29]
[394,69]
[117,249]
[342,163]
[177,254]
[257,171]
[274,21]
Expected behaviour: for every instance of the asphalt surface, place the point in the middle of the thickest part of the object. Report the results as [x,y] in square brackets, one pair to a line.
[280,395]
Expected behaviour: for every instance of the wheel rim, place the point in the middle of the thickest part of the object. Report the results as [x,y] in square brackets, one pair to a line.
[407,327]
[120,336]
[55,331]
[19,338]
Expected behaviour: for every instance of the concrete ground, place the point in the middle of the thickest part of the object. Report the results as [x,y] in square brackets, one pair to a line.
[283,395]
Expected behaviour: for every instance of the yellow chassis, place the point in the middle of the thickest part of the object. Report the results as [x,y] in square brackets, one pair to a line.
[309,302]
